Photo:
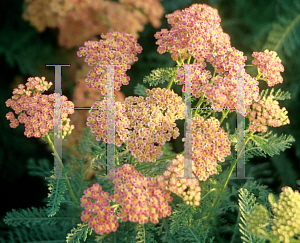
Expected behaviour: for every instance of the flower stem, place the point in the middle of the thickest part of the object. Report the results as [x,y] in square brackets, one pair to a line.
[172,79]
[226,182]
[200,101]
[62,166]
[224,115]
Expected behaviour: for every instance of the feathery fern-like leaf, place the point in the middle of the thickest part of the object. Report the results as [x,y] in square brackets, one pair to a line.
[39,234]
[246,204]
[140,89]
[81,232]
[34,216]
[279,95]
[286,31]
[145,233]
[57,188]
[159,75]
[270,144]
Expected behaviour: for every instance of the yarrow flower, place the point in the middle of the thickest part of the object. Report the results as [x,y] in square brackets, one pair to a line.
[98,213]
[97,121]
[117,49]
[195,30]
[189,188]
[152,120]
[269,66]
[286,222]
[142,198]
[265,113]
[287,212]
[36,110]
[209,144]
[257,220]
[222,92]
[144,124]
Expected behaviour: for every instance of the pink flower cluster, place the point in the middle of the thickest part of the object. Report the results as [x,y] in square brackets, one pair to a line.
[199,77]
[118,49]
[269,65]
[267,112]
[189,188]
[36,110]
[142,198]
[222,91]
[153,121]
[209,144]
[195,30]
[98,213]
[97,121]
[141,122]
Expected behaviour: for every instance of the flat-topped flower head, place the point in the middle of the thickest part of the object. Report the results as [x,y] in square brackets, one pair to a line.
[97,210]
[269,65]
[36,111]
[98,122]
[286,225]
[142,198]
[209,144]
[195,30]
[223,92]
[189,188]
[117,49]
[152,122]
[265,113]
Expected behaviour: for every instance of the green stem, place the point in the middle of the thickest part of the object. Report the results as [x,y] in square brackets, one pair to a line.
[200,101]
[62,166]
[224,115]
[172,79]
[189,59]
[214,72]
[226,182]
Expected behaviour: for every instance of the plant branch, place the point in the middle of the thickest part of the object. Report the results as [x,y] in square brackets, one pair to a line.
[226,182]
[62,166]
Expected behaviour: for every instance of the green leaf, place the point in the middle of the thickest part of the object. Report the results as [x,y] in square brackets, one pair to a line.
[279,95]
[270,144]
[81,232]
[159,75]
[140,89]
[34,216]
[286,30]
[246,204]
[57,188]
[40,168]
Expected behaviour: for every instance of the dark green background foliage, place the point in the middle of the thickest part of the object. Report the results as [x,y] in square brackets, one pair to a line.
[252,25]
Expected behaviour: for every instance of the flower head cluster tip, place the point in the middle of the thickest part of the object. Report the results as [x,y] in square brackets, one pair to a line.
[195,30]
[209,144]
[267,112]
[287,212]
[152,120]
[36,110]
[269,65]
[189,188]
[98,213]
[141,197]
[117,49]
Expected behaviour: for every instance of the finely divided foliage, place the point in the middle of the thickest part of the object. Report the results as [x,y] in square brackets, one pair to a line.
[146,198]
